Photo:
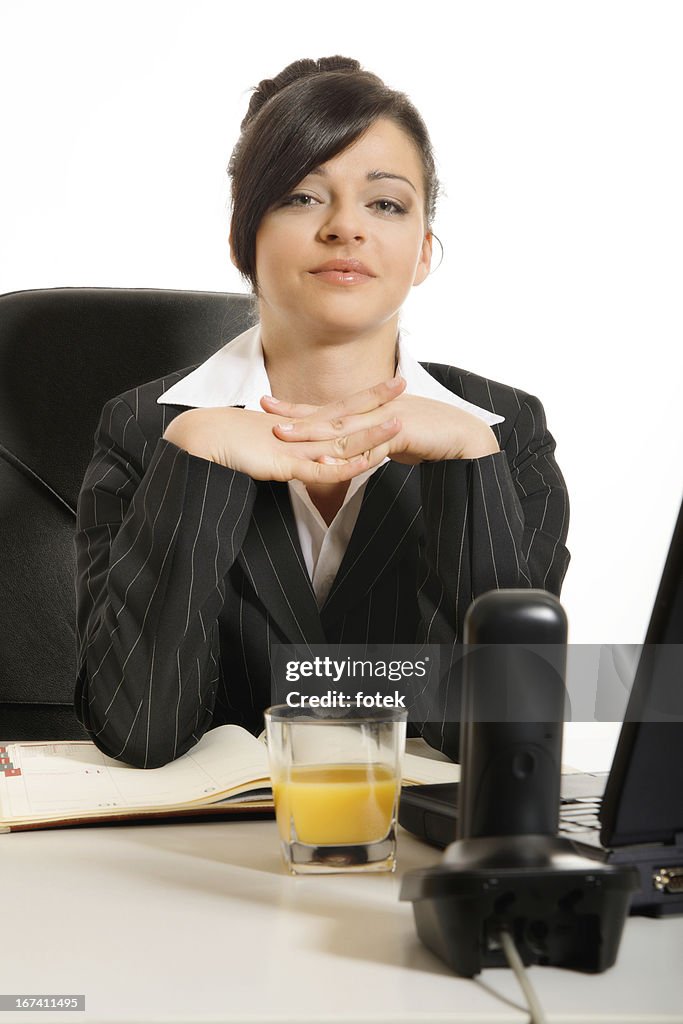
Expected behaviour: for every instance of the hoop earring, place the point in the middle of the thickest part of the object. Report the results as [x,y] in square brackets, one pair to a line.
[434,269]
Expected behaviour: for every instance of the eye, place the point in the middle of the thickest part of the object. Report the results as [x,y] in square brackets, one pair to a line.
[390,207]
[299,199]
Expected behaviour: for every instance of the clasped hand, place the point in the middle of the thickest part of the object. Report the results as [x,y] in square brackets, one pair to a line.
[361,430]
[331,444]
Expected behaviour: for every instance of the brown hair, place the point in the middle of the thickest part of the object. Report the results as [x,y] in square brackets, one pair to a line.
[303,117]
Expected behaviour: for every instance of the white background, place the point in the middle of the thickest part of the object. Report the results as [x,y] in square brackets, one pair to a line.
[557,128]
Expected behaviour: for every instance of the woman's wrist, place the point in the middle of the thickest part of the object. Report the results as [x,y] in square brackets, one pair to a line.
[175,432]
[188,431]
[480,444]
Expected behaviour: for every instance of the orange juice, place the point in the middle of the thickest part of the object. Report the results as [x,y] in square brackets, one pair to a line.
[330,805]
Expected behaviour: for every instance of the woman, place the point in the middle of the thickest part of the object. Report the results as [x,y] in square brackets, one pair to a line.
[311,481]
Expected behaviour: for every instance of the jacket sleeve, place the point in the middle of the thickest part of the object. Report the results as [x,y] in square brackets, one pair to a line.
[492,523]
[156,533]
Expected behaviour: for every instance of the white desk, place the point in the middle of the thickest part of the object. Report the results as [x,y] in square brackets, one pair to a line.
[199,923]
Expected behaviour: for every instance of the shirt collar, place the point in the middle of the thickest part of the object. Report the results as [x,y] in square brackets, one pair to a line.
[236,375]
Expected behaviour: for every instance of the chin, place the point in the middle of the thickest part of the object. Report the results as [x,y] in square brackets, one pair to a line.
[339,316]
[346,326]
[335,314]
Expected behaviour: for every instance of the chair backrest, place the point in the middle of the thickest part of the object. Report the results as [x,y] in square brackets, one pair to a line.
[63,353]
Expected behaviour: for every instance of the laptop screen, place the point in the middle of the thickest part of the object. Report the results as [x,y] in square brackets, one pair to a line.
[643,801]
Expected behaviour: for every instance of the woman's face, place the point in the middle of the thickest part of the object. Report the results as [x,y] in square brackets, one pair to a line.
[342,251]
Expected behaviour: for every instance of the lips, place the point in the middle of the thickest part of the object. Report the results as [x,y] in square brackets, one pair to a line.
[344,273]
[344,267]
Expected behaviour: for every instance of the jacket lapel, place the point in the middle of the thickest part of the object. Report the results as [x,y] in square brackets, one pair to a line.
[389,518]
[272,559]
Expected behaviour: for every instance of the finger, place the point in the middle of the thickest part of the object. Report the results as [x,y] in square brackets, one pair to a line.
[362,401]
[346,448]
[333,472]
[366,460]
[371,457]
[350,445]
[279,408]
[337,431]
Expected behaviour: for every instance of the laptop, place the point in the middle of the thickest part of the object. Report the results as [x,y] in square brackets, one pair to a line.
[638,819]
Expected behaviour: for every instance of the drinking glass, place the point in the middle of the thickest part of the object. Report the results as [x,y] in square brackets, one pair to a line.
[336,784]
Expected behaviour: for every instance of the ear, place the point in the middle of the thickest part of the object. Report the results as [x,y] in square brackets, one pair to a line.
[232,250]
[425,260]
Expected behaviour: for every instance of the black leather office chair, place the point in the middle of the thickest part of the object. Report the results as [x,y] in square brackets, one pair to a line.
[63,353]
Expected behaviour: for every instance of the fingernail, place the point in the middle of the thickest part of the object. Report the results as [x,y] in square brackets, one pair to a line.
[331,461]
[270,398]
[286,426]
[395,382]
[357,458]
[388,424]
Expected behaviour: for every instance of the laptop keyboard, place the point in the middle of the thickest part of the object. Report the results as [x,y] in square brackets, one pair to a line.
[579,815]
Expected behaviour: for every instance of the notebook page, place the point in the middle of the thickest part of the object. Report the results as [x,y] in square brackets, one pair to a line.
[67,778]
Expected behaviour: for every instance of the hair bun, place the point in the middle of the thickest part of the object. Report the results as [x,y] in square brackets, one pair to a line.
[269,87]
[338,64]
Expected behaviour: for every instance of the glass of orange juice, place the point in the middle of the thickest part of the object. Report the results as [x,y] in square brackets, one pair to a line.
[336,784]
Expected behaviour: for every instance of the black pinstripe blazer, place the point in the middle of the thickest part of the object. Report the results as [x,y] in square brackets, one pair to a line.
[188,572]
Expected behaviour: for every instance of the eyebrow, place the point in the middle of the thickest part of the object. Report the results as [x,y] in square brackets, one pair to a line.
[370,176]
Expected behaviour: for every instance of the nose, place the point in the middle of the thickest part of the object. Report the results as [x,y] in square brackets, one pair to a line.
[343,223]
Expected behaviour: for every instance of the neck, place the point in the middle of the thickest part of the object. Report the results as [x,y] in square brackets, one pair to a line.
[320,368]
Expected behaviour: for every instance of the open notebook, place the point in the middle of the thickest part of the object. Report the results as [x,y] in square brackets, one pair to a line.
[49,785]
